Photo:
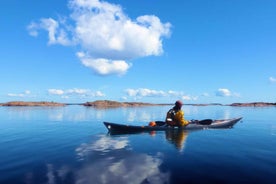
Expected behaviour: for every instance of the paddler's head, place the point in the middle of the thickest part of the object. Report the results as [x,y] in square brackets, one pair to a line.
[178,104]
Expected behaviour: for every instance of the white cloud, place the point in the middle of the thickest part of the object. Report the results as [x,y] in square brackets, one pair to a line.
[24,94]
[56,34]
[175,93]
[180,94]
[99,94]
[15,95]
[108,38]
[27,92]
[272,79]
[32,28]
[55,91]
[189,98]
[223,92]
[143,92]
[104,66]
[131,92]
[76,91]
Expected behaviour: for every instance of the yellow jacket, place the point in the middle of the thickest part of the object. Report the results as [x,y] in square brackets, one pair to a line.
[179,118]
[176,118]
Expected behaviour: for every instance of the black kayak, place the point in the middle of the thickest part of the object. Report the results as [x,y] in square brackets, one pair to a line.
[161,126]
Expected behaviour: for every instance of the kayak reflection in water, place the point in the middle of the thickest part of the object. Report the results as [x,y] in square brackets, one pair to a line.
[175,116]
[177,138]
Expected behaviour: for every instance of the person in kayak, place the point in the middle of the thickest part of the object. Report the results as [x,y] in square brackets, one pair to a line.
[175,116]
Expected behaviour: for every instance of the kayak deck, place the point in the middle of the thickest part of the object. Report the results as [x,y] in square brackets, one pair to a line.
[224,123]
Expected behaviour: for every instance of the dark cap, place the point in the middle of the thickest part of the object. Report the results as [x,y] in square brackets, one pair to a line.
[178,103]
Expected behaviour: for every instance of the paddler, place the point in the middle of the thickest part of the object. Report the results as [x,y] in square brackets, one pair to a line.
[175,116]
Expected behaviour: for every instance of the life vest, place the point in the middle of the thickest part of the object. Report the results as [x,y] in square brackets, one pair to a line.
[177,118]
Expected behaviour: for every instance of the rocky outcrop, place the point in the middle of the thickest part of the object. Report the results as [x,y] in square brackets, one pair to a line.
[253,104]
[22,103]
[112,104]
[109,103]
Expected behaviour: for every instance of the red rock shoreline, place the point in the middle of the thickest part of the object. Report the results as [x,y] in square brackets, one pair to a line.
[112,104]
[22,103]
[253,104]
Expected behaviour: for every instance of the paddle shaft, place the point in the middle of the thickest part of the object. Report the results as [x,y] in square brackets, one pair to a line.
[202,122]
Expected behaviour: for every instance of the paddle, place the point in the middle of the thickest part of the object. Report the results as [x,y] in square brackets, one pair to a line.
[205,122]
[201,122]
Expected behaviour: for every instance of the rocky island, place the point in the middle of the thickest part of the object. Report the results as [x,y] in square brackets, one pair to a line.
[22,103]
[113,104]
[110,104]
[96,104]
[253,104]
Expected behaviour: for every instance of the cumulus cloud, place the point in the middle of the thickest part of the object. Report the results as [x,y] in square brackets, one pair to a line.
[144,92]
[55,91]
[272,79]
[104,66]
[175,93]
[79,92]
[181,95]
[189,98]
[56,34]
[24,94]
[223,92]
[108,38]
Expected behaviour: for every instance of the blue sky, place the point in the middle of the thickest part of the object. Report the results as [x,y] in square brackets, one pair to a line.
[200,51]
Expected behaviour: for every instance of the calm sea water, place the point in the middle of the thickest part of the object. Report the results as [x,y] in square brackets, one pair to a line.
[71,145]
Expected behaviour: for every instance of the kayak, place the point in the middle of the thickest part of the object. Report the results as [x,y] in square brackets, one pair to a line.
[162,126]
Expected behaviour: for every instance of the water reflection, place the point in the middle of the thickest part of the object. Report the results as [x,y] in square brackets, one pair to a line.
[102,144]
[130,168]
[130,114]
[112,160]
[67,113]
[177,138]
[38,152]
[105,160]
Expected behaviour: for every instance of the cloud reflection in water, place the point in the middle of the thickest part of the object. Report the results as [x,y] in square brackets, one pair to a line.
[103,144]
[119,163]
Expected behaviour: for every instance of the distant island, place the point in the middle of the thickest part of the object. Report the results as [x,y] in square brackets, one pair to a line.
[109,103]
[113,104]
[253,104]
[22,103]
[97,104]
